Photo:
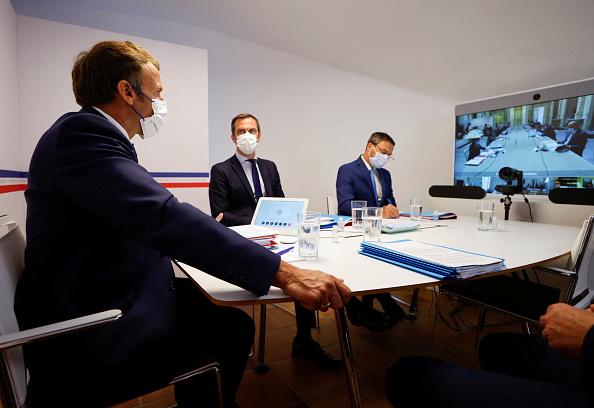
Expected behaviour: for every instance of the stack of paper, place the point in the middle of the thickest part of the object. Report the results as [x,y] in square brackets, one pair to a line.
[476,160]
[433,260]
[327,220]
[428,215]
[260,235]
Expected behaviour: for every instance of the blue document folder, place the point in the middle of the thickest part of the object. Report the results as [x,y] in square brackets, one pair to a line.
[434,260]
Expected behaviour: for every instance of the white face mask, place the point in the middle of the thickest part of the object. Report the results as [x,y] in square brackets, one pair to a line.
[379,160]
[247,143]
[153,124]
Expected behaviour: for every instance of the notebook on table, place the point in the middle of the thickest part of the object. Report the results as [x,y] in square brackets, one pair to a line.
[279,214]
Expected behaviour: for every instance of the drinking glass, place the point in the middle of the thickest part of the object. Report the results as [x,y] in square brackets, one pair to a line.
[484,215]
[372,223]
[308,232]
[357,213]
[416,209]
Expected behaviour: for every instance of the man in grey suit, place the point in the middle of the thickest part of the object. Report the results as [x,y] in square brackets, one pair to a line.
[235,187]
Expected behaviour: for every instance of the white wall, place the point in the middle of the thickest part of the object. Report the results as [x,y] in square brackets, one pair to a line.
[182,146]
[316,117]
[10,158]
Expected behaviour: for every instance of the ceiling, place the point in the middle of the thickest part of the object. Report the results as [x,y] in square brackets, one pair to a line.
[459,50]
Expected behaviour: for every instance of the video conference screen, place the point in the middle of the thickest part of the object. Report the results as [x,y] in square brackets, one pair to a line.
[551,142]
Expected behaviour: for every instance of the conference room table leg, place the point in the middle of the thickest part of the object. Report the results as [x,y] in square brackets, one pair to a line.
[347,356]
[261,366]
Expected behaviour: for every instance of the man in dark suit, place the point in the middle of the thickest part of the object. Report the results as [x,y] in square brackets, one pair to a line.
[520,370]
[231,192]
[354,182]
[366,179]
[100,234]
[549,132]
[235,187]
[576,138]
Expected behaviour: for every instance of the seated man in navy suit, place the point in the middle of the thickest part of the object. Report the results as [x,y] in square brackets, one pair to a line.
[520,370]
[366,179]
[576,139]
[235,187]
[101,233]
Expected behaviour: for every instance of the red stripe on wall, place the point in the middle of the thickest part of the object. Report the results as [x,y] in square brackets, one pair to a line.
[22,187]
[13,187]
[184,185]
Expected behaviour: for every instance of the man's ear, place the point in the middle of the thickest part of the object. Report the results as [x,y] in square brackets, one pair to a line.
[126,91]
[233,138]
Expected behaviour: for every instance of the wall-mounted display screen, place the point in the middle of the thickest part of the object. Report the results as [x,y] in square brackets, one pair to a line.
[547,134]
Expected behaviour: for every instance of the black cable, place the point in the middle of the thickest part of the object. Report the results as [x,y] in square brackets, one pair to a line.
[529,208]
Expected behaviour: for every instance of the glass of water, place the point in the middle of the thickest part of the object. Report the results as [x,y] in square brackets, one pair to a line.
[372,223]
[484,215]
[308,232]
[357,213]
[416,209]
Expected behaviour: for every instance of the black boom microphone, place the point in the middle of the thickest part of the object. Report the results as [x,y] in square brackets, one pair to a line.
[472,192]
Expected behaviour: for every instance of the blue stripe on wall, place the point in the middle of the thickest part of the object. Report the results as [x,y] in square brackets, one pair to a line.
[13,174]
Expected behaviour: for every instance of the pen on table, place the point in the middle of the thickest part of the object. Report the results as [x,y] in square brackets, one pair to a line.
[284,251]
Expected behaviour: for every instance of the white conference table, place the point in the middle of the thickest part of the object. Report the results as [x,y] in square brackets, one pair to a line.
[520,244]
[519,146]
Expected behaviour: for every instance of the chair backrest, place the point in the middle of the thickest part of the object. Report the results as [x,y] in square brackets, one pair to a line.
[584,261]
[332,205]
[577,247]
[12,252]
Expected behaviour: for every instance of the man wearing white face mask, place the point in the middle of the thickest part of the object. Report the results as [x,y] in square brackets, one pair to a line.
[238,182]
[366,179]
[235,187]
[101,233]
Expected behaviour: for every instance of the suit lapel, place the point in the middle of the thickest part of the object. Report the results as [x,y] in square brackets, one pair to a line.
[363,172]
[238,169]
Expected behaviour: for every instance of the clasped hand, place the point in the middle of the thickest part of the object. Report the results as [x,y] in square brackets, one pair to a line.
[315,290]
[565,328]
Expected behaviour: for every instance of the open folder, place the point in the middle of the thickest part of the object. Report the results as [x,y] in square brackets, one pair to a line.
[437,261]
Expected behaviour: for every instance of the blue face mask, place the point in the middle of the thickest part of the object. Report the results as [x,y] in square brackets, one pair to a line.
[378,161]
[153,124]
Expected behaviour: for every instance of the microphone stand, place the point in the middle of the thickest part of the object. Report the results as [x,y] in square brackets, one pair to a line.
[507,202]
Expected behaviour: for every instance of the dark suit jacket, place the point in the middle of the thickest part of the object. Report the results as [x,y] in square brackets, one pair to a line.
[100,231]
[549,131]
[230,192]
[577,144]
[354,183]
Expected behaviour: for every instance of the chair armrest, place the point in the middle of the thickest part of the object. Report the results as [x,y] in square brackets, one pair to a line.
[567,292]
[51,330]
[556,271]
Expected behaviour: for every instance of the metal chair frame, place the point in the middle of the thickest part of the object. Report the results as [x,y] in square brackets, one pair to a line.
[12,367]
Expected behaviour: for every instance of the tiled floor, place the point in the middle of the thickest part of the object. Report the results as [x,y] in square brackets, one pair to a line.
[296,383]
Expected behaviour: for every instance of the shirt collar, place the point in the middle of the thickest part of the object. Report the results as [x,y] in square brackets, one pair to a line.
[366,164]
[113,121]
[242,158]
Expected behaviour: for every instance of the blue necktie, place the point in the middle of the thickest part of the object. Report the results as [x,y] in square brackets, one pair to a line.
[256,179]
[372,173]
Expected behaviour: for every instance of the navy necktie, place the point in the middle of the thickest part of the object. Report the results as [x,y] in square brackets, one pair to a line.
[256,179]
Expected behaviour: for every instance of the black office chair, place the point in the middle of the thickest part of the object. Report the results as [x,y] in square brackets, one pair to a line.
[13,374]
[528,300]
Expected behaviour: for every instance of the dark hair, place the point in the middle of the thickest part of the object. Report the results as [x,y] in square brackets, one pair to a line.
[378,137]
[243,116]
[97,72]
